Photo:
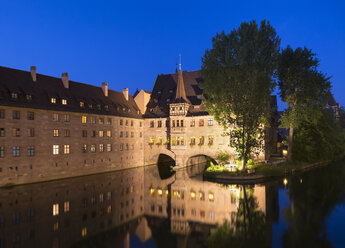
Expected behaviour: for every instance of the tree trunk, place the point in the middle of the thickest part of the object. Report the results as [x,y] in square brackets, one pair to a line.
[244,162]
[289,155]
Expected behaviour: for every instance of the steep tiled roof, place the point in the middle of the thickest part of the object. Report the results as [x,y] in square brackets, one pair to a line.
[164,93]
[46,87]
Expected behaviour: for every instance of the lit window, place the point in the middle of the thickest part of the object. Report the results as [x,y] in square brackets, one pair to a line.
[193,195]
[55,209]
[177,194]
[109,209]
[93,148]
[152,141]
[159,140]
[109,133]
[55,149]
[83,119]
[53,100]
[14,95]
[173,141]
[201,122]
[152,191]
[81,104]
[56,132]
[84,232]
[211,197]
[160,192]
[64,102]
[202,196]
[201,140]
[29,97]
[192,141]
[101,120]
[66,206]
[66,149]
[101,133]
[84,148]
[101,147]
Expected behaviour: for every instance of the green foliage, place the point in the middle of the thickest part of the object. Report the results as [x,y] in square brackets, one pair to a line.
[237,75]
[223,157]
[318,137]
[301,85]
[216,168]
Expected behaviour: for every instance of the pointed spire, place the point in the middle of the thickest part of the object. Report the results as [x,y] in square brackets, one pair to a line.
[180,91]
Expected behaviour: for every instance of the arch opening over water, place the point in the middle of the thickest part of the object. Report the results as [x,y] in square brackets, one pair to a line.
[165,164]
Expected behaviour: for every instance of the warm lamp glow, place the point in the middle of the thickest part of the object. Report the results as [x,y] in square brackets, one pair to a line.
[285,181]
[160,192]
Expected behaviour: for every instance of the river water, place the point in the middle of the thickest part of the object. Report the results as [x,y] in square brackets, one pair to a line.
[151,207]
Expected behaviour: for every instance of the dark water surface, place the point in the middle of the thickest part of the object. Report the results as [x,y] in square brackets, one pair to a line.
[136,208]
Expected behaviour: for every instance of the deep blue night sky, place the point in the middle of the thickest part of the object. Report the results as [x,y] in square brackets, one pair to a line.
[128,43]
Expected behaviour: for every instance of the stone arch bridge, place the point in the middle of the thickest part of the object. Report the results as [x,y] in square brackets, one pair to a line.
[183,157]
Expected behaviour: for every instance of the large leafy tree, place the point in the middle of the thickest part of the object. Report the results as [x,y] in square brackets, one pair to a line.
[237,73]
[302,87]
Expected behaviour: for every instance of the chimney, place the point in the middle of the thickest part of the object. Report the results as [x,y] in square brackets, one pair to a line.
[105,88]
[64,77]
[125,93]
[33,73]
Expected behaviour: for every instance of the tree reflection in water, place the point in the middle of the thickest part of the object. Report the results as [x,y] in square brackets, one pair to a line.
[313,197]
[251,227]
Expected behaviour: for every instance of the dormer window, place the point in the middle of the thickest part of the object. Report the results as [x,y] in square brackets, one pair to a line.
[81,104]
[53,100]
[28,97]
[14,95]
[155,100]
[64,102]
[199,97]
[90,106]
[124,109]
[168,99]
[159,92]
[170,91]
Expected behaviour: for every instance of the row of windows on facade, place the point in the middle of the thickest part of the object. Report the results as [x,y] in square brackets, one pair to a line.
[82,104]
[16,132]
[176,141]
[54,100]
[16,114]
[66,118]
[179,194]
[180,123]
[16,151]
[109,121]
[65,149]
[180,212]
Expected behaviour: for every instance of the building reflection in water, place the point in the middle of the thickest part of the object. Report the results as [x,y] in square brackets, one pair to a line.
[106,210]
